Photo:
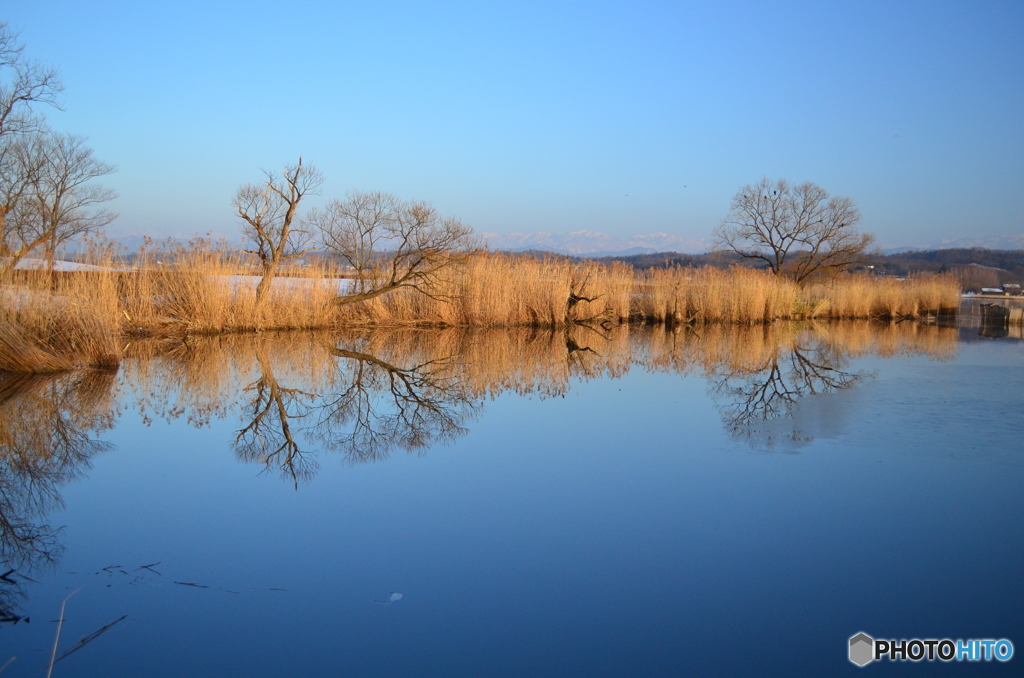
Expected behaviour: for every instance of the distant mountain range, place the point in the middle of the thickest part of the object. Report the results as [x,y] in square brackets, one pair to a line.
[577,243]
[996,242]
[595,243]
[598,244]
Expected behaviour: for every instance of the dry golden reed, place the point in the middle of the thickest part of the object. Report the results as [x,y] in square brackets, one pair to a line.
[498,290]
[50,325]
[84,318]
[742,295]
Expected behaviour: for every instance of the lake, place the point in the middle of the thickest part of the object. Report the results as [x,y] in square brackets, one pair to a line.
[709,500]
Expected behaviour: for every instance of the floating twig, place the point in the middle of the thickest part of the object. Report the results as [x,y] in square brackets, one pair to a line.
[148,567]
[88,639]
[204,586]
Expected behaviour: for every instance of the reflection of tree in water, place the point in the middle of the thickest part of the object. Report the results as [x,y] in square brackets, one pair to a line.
[372,408]
[771,389]
[46,424]
[269,437]
[583,360]
[404,397]
[385,406]
[367,394]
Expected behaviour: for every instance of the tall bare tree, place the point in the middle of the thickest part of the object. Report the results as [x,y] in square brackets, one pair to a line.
[24,85]
[269,212]
[390,244]
[67,204]
[797,230]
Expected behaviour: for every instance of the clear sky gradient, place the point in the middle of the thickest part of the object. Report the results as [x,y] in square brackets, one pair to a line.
[617,117]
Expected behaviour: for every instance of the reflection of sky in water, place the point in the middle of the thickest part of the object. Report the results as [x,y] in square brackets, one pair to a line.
[618,530]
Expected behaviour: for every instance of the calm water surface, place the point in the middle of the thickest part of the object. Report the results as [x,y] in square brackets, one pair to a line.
[717,501]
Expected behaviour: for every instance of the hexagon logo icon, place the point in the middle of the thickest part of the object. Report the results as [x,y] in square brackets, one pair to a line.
[862,649]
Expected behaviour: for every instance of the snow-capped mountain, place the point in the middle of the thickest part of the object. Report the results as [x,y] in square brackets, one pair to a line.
[595,243]
[995,242]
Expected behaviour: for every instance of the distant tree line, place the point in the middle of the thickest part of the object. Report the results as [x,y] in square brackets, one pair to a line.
[977,267]
[1010,262]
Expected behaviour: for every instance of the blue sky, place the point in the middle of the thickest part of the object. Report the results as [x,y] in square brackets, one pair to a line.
[617,117]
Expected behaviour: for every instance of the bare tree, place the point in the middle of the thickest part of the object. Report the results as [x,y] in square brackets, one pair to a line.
[269,211]
[796,230]
[45,198]
[390,244]
[24,84]
[66,204]
[48,197]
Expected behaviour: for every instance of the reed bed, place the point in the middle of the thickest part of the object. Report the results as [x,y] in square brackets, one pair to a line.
[56,321]
[853,296]
[498,290]
[51,325]
[740,295]
[208,290]
[735,295]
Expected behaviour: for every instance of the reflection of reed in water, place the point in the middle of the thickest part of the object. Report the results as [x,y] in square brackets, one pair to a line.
[363,394]
[199,378]
[366,394]
[713,348]
[47,428]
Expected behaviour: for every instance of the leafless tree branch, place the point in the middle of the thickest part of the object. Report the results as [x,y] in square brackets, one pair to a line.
[390,244]
[269,214]
[796,230]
